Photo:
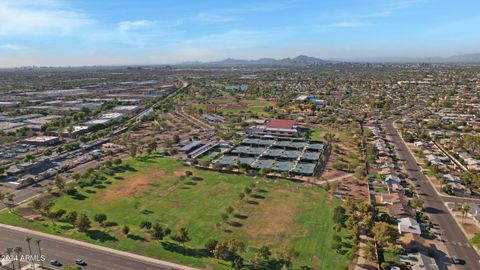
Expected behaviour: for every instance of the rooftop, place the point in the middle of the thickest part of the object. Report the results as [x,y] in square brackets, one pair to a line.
[277,123]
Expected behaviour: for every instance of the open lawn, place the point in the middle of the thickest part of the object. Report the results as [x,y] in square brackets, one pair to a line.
[475,240]
[253,106]
[317,134]
[278,213]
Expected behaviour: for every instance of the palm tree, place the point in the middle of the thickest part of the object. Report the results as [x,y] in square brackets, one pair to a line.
[38,241]
[10,197]
[17,250]
[9,252]
[464,209]
[28,239]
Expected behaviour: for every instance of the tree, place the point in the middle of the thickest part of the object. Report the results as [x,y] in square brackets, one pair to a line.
[385,234]
[176,139]
[464,209]
[18,250]
[339,215]
[230,210]
[286,256]
[100,218]
[28,239]
[211,245]
[83,222]
[60,183]
[9,251]
[152,145]
[228,251]
[2,196]
[448,189]
[370,251]
[71,217]
[263,171]
[125,229]
[182,236]
[133,149]
[38,241]
[10,199]
[224,217]
[265,252]
[146,224]
[417,203]
[158,233]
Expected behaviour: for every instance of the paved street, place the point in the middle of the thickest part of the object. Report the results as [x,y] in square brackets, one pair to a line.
[456,242]
[67,250]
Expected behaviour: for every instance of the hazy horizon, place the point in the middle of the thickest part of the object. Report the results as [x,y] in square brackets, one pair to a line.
[84,33]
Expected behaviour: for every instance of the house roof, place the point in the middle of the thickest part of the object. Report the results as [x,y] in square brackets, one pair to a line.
[277,123]
[408,225]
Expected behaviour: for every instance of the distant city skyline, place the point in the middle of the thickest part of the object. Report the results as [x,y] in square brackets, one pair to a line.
[82,32]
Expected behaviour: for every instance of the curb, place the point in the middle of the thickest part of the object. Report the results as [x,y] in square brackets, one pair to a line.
[430,182]
[105,249]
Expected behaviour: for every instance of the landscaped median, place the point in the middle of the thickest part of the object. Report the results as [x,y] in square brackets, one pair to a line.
[161,208]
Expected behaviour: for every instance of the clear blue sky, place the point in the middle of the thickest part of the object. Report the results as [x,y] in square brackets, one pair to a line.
[88,32]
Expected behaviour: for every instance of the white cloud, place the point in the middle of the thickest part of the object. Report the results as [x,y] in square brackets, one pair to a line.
[43,17]
[126,26]
[11,47]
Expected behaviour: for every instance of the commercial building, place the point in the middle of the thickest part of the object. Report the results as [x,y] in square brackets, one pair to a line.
[9,104]
[126,109]
[42,140]
[105,119]
[310,99]
[275,127]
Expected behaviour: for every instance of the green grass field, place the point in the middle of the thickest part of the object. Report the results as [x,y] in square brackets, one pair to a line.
[475,240]
[317,134]
[281,214]
[254,106]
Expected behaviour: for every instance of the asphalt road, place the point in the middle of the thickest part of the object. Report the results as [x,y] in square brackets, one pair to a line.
[67,252]
[457,243]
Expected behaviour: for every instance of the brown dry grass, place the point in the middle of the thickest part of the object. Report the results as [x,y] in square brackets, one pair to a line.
[273,220]
[137,184]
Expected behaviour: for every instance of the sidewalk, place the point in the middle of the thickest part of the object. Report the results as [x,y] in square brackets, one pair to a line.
[105,249]
[439,194]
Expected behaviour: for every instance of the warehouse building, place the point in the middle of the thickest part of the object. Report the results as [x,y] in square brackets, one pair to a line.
[42,140]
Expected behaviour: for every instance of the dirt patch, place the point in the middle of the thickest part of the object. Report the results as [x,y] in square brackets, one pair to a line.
[471,229]
[272,220]
[137,184]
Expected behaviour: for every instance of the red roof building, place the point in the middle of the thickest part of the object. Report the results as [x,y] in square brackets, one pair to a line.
[284,124]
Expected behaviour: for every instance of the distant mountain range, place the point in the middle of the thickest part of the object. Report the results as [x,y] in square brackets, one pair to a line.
[303,60]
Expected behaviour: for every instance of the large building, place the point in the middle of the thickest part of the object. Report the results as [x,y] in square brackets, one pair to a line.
[42,140]
[275,127]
